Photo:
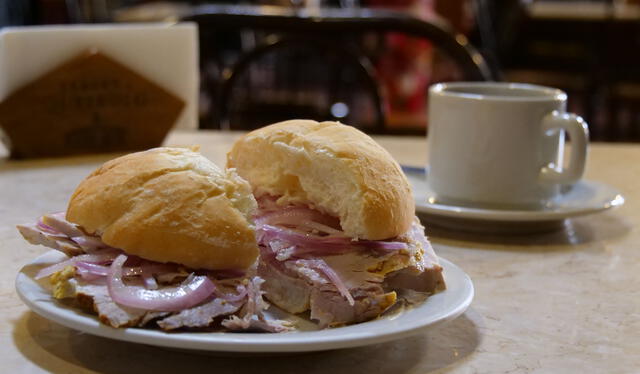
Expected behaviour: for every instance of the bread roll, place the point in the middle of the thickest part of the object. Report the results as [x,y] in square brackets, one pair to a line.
[169,205]
[334,168]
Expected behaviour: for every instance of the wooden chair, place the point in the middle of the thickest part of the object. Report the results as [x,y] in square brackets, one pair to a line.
[320,63]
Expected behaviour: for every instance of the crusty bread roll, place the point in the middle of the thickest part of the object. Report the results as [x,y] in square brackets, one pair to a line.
[169,205]
[335,168]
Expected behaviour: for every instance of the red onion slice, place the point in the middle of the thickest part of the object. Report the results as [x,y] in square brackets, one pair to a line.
[89,276]
[95,269]
[94,258]
[46,228]
[331,274]
[191,292]
[89,243]
[385,246]
[149,281]
[58,222]
[321,245]
[267,233]
[103,270]
[299,222]
[91,271]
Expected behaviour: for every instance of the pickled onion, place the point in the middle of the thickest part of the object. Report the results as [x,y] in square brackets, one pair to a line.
[193,291]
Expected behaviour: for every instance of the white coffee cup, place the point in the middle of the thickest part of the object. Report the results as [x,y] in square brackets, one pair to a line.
[502,144]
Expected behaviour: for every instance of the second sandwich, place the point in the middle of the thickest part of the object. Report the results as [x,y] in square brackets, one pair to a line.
[336,222]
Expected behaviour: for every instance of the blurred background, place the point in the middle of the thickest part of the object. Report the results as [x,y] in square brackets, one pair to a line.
[369,63]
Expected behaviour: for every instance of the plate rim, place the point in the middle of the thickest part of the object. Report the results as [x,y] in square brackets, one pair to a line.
[252,342]
[464,212]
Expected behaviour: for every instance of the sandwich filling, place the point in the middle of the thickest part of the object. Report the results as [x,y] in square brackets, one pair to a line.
[126,290]
[309,264]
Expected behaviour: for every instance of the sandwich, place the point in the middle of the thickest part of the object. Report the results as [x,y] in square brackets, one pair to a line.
[162,237]
[335,224]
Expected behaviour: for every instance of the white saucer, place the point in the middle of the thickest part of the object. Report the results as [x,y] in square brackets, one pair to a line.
[584,197]
[438,308]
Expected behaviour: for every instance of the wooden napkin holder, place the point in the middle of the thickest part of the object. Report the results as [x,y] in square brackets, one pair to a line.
[90,104]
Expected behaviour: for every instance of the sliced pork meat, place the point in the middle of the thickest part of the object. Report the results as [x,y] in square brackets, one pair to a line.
[430,280]
[329,308]
[151,317]
[425,273]
[411,297]
[289,292]
[200,316]
[56,222]
[60,242]
[256,323]
[309,264]
[297,286]
[53,231]
[252,314]
[129,291]
[312,267]
[96,298]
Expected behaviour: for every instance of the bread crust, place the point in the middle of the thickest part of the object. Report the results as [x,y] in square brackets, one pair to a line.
[169,205]
[332,167]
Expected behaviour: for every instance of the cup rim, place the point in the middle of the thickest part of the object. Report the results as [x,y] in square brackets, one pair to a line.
[549,93]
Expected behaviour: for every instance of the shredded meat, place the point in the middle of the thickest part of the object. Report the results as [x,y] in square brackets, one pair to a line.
[329,308]
[371,279]
[60,242]
[253,316]
[96,298]
[199,316]
[286,291]
[295,287]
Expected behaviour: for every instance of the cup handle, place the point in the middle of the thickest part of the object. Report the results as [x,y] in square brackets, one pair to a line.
[578,132]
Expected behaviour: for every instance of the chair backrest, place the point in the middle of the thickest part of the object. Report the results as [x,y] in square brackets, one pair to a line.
[294,63]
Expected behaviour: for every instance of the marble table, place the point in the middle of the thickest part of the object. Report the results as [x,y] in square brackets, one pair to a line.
[565,302]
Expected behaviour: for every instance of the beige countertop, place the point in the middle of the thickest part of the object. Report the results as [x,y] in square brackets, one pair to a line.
[562,302]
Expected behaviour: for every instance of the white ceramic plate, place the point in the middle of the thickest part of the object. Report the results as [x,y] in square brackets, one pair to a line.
[438,308]
[585,197]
